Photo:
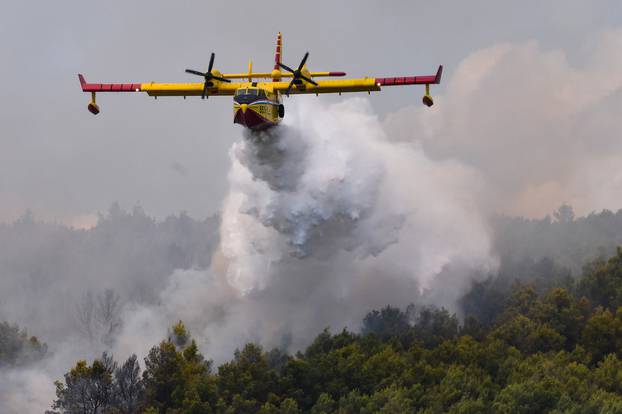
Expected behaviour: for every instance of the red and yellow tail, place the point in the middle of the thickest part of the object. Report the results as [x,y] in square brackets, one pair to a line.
[278,56]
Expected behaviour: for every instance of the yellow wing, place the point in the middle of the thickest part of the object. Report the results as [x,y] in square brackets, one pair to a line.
[329,86]
[189,89]
[163,89]
[298,86]
[367,84]
[228,89]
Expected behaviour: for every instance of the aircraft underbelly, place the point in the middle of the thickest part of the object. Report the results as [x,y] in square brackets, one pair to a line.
[256,115]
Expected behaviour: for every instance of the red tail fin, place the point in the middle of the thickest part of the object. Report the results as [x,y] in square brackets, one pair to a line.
[278,55]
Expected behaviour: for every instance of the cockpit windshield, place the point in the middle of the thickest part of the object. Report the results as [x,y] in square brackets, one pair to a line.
[254,92]
[249,95]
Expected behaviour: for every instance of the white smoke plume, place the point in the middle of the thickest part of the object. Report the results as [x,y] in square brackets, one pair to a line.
[540,125]
[325,219]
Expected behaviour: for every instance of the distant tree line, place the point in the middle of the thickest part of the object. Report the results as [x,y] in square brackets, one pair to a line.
[134,254]
[74,281]
[564,239]
[553,347]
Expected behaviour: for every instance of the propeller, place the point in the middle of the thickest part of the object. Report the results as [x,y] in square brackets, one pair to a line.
[297,73]
[208,76]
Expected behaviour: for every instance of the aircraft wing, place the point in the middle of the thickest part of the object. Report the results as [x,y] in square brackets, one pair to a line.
[358,85]
[329,86]
[162,89]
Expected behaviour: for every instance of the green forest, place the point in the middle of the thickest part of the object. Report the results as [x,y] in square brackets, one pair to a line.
[548,349]
[542,333]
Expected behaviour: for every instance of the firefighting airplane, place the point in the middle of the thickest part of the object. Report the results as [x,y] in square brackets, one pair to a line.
[258,105]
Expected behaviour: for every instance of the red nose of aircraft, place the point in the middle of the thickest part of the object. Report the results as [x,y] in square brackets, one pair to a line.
[246,116]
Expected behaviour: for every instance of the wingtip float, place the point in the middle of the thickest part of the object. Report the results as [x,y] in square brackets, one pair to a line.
[259,105]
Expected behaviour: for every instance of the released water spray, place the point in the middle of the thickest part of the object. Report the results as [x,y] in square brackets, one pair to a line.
[323,222]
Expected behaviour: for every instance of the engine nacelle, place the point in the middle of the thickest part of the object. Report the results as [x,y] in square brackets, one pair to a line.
[427,100]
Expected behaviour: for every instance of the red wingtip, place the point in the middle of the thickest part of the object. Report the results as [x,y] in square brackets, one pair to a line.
[82,80]
[439,73]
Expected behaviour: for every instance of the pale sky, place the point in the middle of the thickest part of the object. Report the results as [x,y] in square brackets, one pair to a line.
[171,155]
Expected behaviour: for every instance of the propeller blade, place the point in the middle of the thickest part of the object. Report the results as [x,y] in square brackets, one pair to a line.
[221,79]
[211,63]
[304,60]
[297,73]
[195,72]
[289,88]
[203,95]
[308,80]
[287,68]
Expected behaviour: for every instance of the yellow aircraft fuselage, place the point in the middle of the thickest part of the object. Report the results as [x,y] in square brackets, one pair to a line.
[257,108]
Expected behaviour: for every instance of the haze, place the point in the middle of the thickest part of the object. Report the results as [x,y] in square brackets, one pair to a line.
[169,155]
[355,202]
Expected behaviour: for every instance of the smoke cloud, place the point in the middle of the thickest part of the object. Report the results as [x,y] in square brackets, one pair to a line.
[540,126]
[325,219]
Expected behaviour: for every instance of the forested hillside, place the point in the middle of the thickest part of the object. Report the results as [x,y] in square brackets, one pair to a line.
[543,331]
[556,349]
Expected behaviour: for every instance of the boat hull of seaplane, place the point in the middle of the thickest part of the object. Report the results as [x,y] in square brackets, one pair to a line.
[256,108]
[256,116]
